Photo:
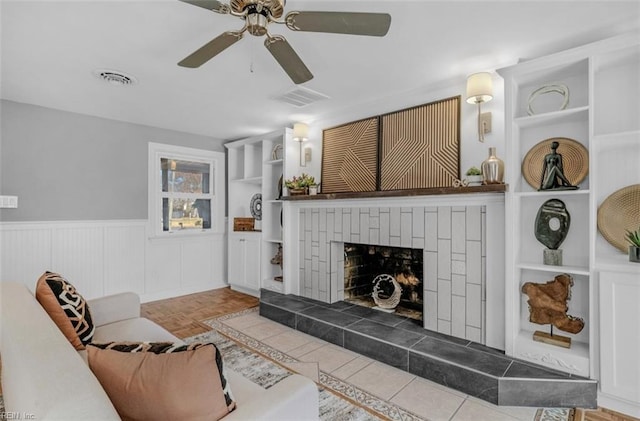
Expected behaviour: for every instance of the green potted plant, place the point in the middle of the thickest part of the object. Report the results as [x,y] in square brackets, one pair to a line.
[299,184]
[474,176]
[633,237]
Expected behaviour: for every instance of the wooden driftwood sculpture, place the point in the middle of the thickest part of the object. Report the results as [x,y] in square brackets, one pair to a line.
[548,305]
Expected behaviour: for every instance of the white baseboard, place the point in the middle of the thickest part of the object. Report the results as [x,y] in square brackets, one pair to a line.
[619,405]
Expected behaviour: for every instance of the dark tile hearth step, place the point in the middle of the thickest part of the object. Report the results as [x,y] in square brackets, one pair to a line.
[460,364]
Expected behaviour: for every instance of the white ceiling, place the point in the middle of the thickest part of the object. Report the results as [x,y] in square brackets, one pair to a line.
[51,48]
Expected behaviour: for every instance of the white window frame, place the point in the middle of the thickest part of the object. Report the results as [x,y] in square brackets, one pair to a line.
[216,160]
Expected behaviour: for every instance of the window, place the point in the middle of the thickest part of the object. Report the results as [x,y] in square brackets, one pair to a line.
[186,190]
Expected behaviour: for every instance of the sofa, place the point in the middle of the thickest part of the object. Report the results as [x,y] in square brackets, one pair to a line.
[44,377]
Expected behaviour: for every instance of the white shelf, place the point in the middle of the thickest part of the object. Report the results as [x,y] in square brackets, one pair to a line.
[574,360]
[273,240]
[572,270]
[252,170]
[570,114]
[250,180]
[549,193]
[602,78]
[273,201]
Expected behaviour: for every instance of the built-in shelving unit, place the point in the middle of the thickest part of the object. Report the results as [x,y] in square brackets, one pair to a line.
[255,166]
[602,115]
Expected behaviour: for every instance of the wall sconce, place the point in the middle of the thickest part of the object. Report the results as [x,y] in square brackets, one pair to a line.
[479,90]
[301,135]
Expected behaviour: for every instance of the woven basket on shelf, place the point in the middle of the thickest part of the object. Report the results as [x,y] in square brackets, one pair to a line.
[618,213]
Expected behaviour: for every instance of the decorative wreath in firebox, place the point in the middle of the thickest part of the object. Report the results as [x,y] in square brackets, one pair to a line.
[381,288]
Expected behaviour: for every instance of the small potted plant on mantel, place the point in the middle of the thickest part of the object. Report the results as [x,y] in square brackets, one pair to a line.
[633,237]
[474,176]
[299,184]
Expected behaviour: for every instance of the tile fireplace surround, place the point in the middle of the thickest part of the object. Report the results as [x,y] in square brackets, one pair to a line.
[461,237]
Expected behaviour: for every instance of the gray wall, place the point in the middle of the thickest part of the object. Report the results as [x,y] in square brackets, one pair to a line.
[65,166]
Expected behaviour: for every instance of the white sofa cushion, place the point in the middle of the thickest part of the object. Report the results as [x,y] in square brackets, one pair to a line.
[42,374]
[134,330]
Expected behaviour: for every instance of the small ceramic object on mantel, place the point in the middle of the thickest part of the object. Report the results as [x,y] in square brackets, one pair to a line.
[474,177]
[633,237]
[493,168]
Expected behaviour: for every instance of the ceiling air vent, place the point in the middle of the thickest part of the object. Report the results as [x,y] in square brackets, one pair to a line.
[115,77]
[300,97]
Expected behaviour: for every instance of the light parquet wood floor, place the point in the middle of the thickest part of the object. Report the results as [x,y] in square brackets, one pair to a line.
[182,316]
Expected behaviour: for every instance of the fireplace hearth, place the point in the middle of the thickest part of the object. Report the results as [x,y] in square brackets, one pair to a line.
[385,278]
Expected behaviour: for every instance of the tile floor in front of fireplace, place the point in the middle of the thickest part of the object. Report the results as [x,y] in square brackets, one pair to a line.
[417,395]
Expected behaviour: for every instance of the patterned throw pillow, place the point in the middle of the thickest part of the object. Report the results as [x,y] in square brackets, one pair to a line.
[162,380]
[66,307]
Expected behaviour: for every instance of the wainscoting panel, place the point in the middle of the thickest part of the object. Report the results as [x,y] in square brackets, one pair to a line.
[78,255]
[25,253]
[124,259]
[196,256]
[164,266]
[107,257]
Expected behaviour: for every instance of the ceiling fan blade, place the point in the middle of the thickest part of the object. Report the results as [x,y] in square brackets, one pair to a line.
[353,23]
[213,5]
[211,49]
[288,59]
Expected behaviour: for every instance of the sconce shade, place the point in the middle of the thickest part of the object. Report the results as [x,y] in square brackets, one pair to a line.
[479,88]
[300,132]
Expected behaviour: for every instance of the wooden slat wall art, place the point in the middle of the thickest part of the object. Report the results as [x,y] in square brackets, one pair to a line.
[420,146]
[350,157]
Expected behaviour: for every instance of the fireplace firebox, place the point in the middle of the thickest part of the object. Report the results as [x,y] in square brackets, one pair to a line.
[386,278]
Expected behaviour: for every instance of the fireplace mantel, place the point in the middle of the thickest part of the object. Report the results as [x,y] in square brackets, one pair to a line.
[489,188]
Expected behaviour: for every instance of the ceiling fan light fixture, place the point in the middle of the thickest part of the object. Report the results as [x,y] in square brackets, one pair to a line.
[257,23]
[115,77]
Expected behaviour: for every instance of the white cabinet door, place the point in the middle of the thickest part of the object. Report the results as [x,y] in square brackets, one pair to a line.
[619,337]
[252,262]
[244,261]
[236,260]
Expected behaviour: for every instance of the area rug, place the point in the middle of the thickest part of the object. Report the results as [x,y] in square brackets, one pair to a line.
[264,372]
[356,403]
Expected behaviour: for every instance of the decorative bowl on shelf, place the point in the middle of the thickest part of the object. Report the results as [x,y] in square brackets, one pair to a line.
[575,160]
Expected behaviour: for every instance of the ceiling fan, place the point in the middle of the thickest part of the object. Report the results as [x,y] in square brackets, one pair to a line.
[258,14]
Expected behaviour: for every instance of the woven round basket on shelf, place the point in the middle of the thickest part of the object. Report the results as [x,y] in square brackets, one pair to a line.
[618,213]
[575,160]
[386,303]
